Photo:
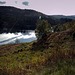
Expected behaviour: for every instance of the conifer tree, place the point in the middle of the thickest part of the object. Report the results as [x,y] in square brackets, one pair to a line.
[43,27]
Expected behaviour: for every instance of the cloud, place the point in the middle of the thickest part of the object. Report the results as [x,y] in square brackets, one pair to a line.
[16,2]
[25,3]
[2,2]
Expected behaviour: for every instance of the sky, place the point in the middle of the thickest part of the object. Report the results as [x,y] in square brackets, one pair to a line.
[48,7]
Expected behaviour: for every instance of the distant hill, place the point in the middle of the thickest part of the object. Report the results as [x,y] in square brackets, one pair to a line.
[62,16]
[13,19]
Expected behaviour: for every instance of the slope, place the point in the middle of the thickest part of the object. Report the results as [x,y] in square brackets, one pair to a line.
[52,55]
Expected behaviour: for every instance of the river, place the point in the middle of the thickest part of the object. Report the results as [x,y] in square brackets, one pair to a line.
[7,38]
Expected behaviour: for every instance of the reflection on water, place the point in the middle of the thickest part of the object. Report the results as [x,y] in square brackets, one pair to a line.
[6,38]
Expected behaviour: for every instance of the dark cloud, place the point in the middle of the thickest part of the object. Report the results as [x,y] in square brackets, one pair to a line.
[25,3]
[2,2]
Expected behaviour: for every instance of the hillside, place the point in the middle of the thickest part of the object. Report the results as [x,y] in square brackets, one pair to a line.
[52,55]
[62,16]
[14,19]
[18,19]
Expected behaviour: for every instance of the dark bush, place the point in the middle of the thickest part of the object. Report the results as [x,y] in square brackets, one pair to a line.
[73,35]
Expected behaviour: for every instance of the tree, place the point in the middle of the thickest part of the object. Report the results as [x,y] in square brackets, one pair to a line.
[42,28]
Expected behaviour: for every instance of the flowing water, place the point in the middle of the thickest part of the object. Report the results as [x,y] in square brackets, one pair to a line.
[18,37]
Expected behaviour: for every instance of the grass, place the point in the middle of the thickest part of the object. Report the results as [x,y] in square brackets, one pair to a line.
[36,58]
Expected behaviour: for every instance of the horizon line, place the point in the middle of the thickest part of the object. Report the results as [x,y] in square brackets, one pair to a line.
[40,11]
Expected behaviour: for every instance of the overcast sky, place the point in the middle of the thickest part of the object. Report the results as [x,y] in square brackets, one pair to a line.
[49,7]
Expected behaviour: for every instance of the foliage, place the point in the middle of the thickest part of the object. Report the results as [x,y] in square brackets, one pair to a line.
[58,28]
[42,28]
[66,26]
